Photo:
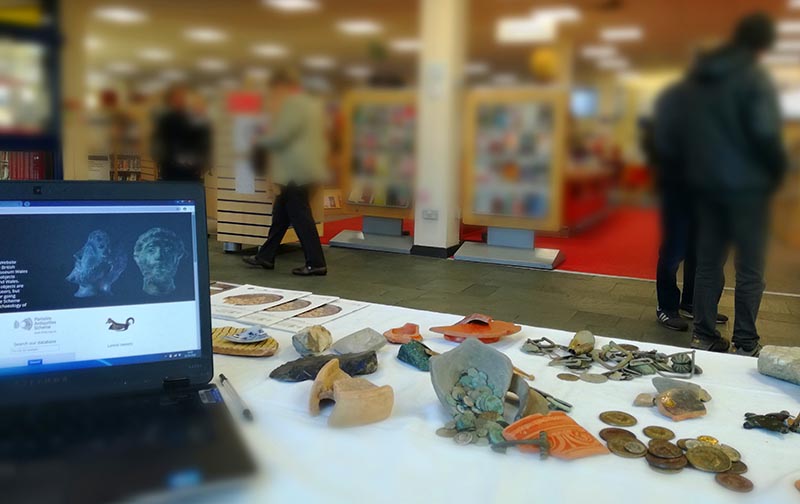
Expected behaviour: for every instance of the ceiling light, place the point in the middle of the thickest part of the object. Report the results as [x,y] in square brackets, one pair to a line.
[778,59]
[155,54]
[628,76]
[525,30]
[205,35]
[613,64]
[173,74]
[122,67]
[212,65]
[359,27]
[476,68]
[599,51]
[505,79]
[229,83]
[789,27]
[92,43]
[269,50]
[120,14]
[405,45]
[258,73]
[292,5]
[561,14]
[319,62]
[95,79]
[358,72]
[622,34]
[787,46]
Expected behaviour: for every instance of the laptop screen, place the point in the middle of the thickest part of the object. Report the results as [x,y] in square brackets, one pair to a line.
[86,284]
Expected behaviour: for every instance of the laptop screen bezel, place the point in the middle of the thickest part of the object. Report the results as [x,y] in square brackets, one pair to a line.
[122,379]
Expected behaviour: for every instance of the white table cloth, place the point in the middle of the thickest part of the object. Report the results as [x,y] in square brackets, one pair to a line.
[402,460]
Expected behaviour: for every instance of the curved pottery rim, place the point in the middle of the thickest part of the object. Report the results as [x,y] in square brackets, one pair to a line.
[447,368]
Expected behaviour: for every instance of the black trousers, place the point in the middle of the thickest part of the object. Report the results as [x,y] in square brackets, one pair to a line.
[678,236]
[291,208]
[740,222]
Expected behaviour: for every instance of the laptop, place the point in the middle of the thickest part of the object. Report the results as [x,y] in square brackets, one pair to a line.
[105,345]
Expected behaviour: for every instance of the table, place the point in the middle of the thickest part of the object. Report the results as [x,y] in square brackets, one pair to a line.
[402,459]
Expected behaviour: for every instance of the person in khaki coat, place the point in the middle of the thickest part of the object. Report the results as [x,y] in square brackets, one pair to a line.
[297,148]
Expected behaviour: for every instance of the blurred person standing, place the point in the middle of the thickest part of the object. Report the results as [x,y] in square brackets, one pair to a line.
[296,142]
[730,140]
[181,144]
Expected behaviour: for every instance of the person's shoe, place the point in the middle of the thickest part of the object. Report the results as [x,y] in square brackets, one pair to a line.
[258,262]
[719,344]
[309,271]
[754,352]
[672,321]
[687,311]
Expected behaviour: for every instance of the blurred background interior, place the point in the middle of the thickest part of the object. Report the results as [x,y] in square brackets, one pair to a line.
[81,82]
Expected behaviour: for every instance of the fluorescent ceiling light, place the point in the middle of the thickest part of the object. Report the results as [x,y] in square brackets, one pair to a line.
[405,45]
[319,62]
[269,50]
[622,34]
[205,35]
[173,74]
[122,67]
[120,14]
[476,68]
[92,43]
[613,64]
[155,54]
[599,51]
[358,72]
[781,59]
[561,14]
[258,73]
[524,30]
[359,27]
[292,5]
[212,65]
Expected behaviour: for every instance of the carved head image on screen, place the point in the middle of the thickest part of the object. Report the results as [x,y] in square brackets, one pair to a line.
[158,252]
[98,264]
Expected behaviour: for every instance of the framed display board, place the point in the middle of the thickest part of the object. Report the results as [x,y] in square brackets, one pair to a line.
[515,151]
[379,153]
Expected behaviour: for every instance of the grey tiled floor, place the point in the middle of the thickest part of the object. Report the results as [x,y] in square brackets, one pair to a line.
[607,306]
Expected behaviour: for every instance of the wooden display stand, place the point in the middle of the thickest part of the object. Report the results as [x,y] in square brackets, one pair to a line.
[383,225]
[511,239]
[244,218]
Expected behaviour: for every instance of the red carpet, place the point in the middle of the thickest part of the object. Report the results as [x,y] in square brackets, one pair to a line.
[625,244]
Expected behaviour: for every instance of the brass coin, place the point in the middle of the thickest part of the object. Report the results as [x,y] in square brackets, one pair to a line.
[635,447]
[735,482]
[738,468]
[664,449]
[654,432]
[617,419]
[709,459]
[567,377]
[692,443]
[665,471]
[446,433]
[669,464]
[710,440]
[616,445]
[612,432]
[682,444]
[593,378]
[731,452]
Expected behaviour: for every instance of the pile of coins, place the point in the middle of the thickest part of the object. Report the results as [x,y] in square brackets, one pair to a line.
[619,362]
[705,453]
[479,417]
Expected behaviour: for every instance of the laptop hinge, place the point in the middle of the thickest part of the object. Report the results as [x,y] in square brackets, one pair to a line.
[175,383]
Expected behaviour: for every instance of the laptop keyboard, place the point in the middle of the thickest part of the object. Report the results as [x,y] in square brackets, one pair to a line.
[103,425]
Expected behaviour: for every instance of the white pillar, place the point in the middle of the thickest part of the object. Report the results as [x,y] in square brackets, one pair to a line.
[74,127]
[437,215]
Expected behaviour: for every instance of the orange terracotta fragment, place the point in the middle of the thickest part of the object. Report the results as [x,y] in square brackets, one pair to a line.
[482,327]
[403,335]
[358,401]
[568,440]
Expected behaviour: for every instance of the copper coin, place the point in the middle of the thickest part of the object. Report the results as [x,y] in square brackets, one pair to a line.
[655,432]
[617,419]
[665,471]
[611,432]
[682,444]
[635,447]
[738,468]
[735,482]
[567,377]
[731,452]
[709,459]
[664,449]
[616,445]
[669,464]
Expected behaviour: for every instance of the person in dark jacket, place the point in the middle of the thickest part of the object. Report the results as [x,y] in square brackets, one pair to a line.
[731,144]
[180,144]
